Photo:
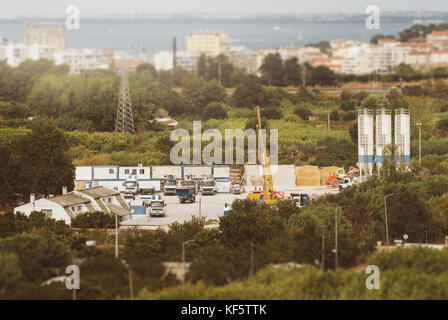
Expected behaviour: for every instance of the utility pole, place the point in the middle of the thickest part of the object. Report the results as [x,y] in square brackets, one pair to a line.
[116,236]
[219,69]
[323,250]
[125,120]
[131,285]
[174,53]
[419,125]
[304,75]
[183,261]
[200,208]
[252,260]
[336,264]
[328,123]
[385,217]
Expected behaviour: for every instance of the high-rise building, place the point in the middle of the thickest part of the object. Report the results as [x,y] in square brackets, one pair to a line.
[45,34]
[208,43]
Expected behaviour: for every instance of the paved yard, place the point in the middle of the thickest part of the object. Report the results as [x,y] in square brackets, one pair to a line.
[212,207]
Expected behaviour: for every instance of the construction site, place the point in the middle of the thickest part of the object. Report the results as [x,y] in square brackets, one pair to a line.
[209,190]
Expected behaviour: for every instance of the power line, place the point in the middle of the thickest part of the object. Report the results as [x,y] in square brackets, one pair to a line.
[125,119]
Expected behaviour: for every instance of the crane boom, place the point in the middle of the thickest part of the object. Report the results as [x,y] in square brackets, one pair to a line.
[267,175]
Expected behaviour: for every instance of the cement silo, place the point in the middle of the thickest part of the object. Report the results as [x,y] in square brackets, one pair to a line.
[365,141]
[403,135]
[383,133]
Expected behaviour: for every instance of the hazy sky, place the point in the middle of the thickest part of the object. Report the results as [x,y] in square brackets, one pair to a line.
[57,7]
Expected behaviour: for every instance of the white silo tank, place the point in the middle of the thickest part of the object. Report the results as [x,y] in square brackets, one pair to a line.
[383,133]
[365,141]
[403,135]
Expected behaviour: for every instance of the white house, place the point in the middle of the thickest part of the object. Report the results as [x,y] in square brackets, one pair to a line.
[67,206]
[64,207]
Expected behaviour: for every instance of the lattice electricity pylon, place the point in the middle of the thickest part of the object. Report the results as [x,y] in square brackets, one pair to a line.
[125,120]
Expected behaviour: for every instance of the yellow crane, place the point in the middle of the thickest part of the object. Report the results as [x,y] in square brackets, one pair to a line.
[267,195]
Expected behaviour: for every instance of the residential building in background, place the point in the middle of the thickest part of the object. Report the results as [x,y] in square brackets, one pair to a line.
[45,34]
[82,59]
[243,58]
[208,43]
[184,59]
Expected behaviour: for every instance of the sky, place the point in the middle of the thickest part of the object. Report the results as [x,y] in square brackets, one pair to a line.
[111,7]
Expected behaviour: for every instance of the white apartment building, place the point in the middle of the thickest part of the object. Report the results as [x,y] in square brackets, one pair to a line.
[439,57]
[243,58]
[82,59]
[16,53]
[209,43]
[289,52]
[437,38]
[163,60]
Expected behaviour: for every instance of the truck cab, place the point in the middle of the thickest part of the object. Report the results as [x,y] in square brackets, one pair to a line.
[131,185]
[186,191]
[169,186]
[146,194]
[300,199]
[227,208]
[236,189]
[345,183]
[157,206]
[208,186]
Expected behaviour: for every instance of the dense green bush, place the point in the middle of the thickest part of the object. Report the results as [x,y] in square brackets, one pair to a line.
[303,112]
[349,116]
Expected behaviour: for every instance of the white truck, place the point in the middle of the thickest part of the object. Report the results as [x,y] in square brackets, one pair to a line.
[146,194]
[169,185]
[157,206]
[345,183]
[208,186]
[131,185]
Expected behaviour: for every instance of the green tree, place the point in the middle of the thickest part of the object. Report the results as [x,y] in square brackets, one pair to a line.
[249,94]
[323,76]
[272,70]
[40,257]
[292,71]
[45,166]
[214,110]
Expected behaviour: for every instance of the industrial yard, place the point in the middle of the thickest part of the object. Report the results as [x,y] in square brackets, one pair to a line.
[210,207]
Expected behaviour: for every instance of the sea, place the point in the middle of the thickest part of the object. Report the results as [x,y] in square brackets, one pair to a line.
[152,36]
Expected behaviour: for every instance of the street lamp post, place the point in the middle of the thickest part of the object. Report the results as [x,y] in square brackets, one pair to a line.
[183,261]
[116,236]
[419,125]
[385,217]
[336,237]
[251,271]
